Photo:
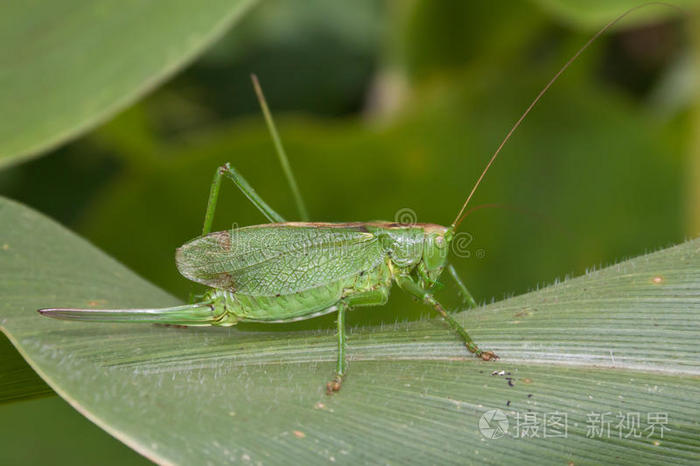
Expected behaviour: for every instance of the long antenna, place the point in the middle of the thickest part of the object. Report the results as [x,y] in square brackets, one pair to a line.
[284,161]
[459,217]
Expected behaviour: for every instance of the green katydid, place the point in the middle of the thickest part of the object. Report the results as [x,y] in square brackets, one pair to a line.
[288,271]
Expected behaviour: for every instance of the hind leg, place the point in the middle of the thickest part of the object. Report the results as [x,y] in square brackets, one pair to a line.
[229,172]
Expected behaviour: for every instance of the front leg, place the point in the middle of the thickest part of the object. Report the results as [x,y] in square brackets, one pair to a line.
[413,288]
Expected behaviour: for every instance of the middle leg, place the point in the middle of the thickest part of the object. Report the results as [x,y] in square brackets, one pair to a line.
[375,297]
[467,297]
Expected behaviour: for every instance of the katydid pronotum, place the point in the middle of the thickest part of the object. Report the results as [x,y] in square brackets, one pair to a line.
[288,271]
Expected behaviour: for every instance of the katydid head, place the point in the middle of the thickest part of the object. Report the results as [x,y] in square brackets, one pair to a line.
[422,245]
[436,247]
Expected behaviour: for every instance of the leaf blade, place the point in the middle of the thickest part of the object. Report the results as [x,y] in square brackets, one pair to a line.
[180,395]
[68,66]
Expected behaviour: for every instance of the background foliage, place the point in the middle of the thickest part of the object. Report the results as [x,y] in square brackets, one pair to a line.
[381,106]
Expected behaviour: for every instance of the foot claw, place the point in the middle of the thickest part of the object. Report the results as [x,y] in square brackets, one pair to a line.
[334,385]
[488,356]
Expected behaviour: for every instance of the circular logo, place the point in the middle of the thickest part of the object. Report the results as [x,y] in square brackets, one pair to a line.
[493,424]
[460,244]
[406,217]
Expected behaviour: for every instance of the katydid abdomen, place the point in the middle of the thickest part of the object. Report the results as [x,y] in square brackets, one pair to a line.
[310,303]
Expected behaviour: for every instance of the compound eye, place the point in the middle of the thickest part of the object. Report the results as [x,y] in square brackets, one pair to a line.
[440,241]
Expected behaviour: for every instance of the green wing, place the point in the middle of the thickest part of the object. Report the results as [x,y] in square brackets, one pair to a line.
[279,259]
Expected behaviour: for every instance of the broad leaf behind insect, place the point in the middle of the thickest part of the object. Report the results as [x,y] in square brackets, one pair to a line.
[100,55]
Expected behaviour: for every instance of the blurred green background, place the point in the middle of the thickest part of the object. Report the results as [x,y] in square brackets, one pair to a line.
[381,106]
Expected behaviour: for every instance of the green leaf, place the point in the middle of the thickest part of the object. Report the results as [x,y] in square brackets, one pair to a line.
[67,65]
[619,340]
